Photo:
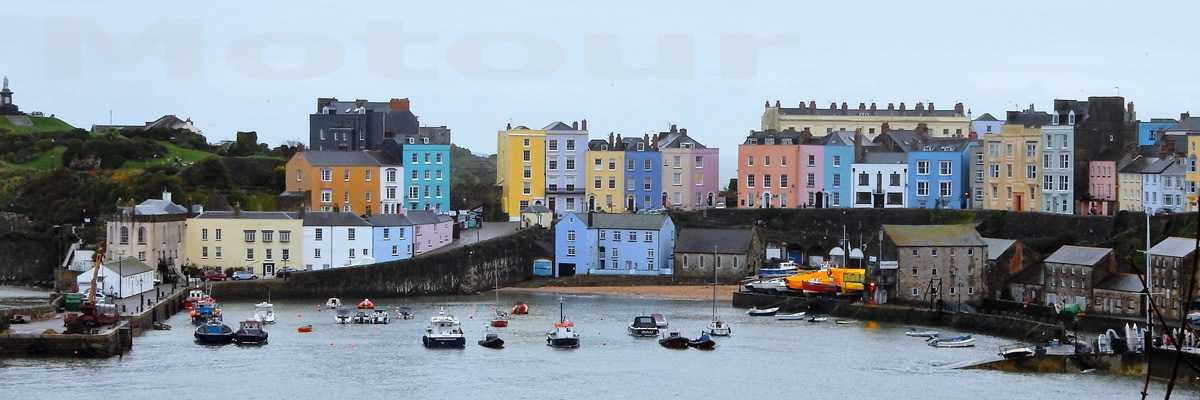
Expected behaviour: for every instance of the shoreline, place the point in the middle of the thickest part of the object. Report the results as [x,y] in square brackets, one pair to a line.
[657,292]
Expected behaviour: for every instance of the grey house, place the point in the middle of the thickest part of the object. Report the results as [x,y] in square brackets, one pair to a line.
[359,124]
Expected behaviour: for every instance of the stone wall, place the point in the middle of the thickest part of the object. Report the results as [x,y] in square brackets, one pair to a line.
[464,270]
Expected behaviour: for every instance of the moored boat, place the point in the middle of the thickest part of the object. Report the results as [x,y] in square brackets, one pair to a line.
[643,326]
[816,318]
[250,332]
[333,303]
[762,312]
[444,331]
[404,313]
[366,304]
[342,316]
[843,321]
[719,328]
[659,320]
[264,312]
[500,320]
[204,311]
[380,317]
[704,342]
[674,340]
[564,335]
[913,332]
[213,332]
[953,342]
[785,268]
[792,317]
[492,341]
[1015,351]
[304,329]
[195,296]
[520,308]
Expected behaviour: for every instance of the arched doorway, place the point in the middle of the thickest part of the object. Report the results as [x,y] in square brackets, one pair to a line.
[766,200]
[591,203]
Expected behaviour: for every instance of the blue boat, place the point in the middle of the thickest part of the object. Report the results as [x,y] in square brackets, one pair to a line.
[214,332]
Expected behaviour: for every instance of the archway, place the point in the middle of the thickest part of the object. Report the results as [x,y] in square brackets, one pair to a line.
[766,200]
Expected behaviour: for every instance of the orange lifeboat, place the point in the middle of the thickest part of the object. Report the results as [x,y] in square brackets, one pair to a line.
[304,329]
[520,309]
[366,304]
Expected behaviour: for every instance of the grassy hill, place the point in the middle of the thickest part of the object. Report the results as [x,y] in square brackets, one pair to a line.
[40,124]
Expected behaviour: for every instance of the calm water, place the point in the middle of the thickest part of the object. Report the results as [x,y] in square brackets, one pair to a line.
[764,359]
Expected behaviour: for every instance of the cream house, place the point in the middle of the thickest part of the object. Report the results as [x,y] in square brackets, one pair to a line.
[259,241]
[870,119]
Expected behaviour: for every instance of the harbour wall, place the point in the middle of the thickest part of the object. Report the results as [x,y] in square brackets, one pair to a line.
[463,270]
[111,342]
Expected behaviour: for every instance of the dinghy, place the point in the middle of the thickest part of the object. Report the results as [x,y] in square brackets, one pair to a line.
[792,317]
[953,342]
[763,312]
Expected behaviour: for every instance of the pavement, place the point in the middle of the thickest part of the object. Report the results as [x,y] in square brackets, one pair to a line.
[490,230]
[138,304]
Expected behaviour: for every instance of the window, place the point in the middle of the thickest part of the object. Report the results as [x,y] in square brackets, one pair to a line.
[351,253]
[700,162]
[346,174]
[922,188]
[426,157]
[268,236]
[413,192]
[571,250]
[217,251]
[648,237]
[677,178]
[612,182]
[647,165]
[552,145]
[326,196]
[1008,149]
[350,233]
[317,253]
[1030,171]
[1064,160]
[895,181]
[812,160]
[944,189]
[326,175]
[993,149]
[267,254]
[250,254]
[944,168]
[1008,169]
[570,164]
[766,160]
[914,292]
[749,160]
[749,180]
[218,234]
[810,181]
[552,165]
[630,164]
[922,167]
[864,179]
[994,170]
[525,155]
[204,234]
[1031,150]
[766,181]
[318,234]
[1064,183]
[612,164]
[1047,182]
[204,252]
[837,161]
[783,181]
[249,235]
[647,184]
[616,237]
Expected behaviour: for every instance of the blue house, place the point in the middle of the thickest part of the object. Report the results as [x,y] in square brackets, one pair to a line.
[938,173]
[614,244]
[839,155]
[392,235]
[643,175]
[426,159]
[1147,130]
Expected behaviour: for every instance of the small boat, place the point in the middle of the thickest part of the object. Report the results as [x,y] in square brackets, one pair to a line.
[500,320]
[250,332]
[659,320]
[843,321]
[719,328]
[643,326]
[792,317]
[195,296]
[380,317]
[333,303]
[264,312]
[304,329]
[564,335]
[213,332]
[342,316]
[786,268]
[953,342]
[204,311]
[774,285]
[520,308]
[160,326]
[1015,351]
[817,319]
[703,342]
[366,304]
[404,313]
[762,312]
[492,341]
[444,331]
[361,316]
[674,340]
[920,333]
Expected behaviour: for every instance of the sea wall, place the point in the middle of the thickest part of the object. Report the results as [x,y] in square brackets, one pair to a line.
[109,343]
[464,270]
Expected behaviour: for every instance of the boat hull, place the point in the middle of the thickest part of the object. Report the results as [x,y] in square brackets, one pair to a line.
[755,312]
[499,323]
[214,338]
[675,343]
[562,343]
[246,338]
[642,332]
[495,343]
[444,342]
[708,344]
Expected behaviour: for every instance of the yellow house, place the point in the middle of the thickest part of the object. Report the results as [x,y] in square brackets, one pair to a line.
[1011,174]
[1193,175]
[605,176]
[520,169]
[263,242]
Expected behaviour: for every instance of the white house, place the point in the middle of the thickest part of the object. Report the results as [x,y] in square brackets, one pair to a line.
[336,239]
[881,181]
[121,279]
[391,188]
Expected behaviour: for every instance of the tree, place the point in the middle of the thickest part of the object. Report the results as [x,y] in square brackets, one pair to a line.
[208,173]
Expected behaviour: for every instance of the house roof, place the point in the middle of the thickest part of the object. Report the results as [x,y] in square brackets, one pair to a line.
[675,140]
[906,140]
[885,157]
[558,126]
[422,217]
[1031,275]
[853,112]
[246,215]
[1078,255]
[1190,124]
[444,218]
[997,247]
[389,220]
[1121,281]
[933,235]
[1174,246]
[1157,165]
[600,145]
[720,241]
[986,117]
[1136,165]
[333,219]
[624,221]
[840,138]
[128,266]
[331,158]
[158,207]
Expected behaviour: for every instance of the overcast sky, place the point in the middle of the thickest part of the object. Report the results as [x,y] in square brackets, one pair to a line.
[628,67]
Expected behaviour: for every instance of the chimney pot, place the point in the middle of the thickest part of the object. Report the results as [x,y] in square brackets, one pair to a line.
[920,106]
[776,103]
[832,106]
[931,106]
[891,107]
[575,125]
[674,128]
[683,131]
[1184,116]
[766,104]
[902,107]
[958,108]
[801,106]
[812,104]
[862,106]
[583,125]
[508,126]
[872,106]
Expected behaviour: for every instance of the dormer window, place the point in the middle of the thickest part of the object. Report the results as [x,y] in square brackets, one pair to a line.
[686,145]
[1054,119]
[641,146]
[425,140]
[1071,118]
[753,141]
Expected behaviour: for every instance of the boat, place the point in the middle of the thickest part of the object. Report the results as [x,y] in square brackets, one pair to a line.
[404,313]
[492,341]
[659,320]
[250,332]
[762,312]
[204,311]
[520,308]
[912,332]
[444,331]
[333,303]
[674,340]
[161,326]
[792,317]
[366,304]
[704,342]
[849,281]
[264,312]
[774,285]
[304,329]
[1015,351]
[195,296]
[717,327]
[361,316]
[953,342]
[843,321]
[499,320]
[643,326]
[564,335]
[213,332]
[342,316]
[380,317]
[817,319]
[785,268]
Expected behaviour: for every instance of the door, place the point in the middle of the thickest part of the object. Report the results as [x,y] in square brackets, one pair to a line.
[553,201]
[1017,203]
[629,206]
[566,269]
[268,269]
[877,199]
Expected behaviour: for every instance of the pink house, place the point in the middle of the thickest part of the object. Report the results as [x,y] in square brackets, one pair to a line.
[1102,189]
[769,169]
[430,231]
[812,169]
[690,172]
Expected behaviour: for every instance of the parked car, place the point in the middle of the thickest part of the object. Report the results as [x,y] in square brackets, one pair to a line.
[285,272]
[244,276]
[214,275]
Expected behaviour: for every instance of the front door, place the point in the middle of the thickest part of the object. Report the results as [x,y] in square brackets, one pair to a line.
[552,204]
[1017,203]
[268,269]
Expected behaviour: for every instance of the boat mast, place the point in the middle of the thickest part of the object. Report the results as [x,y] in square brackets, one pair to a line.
[714,300]
[561,317]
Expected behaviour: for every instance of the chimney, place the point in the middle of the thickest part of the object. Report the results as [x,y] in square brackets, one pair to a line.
[237,209]
[575,125]
[923,131]
[902,107]
[844,108]
[885,128]
[862,107]
[801,105]
[590,213]
[812,105]
[833,106]
[302,212]
[620,142]
[1165,148]
[508,126]
[806,131]
[891,107]
[583,125]
[611,141]
[872,107]
[776,103]
[1184,116]
[931,106]
[766,104]
[920,106]
[400,105]
[682,131]
[958,108]
[859,151]
[646,140]
[166,196]
[197,209]
[674,129]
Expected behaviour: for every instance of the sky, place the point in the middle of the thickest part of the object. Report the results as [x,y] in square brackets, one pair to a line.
[629,67]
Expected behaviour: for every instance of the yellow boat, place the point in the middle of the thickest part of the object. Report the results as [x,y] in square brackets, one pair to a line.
[830,281]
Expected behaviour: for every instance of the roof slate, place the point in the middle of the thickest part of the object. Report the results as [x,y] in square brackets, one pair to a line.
[333,219]
[1174,246]
[247,215]
[1122,281]
[127,266]
[330,158]
[389,220]
[624,221]
[709,241]
[422,217]
[997,247]
[1078,255]
[934,235]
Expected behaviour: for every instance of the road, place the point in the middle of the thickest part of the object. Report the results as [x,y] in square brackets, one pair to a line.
[489,230]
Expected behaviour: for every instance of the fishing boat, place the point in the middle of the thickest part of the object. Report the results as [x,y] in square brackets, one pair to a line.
[717,327]
[913,332]
[342,316]
[643,326]
[213,332]
[404,313]
[264,312]
[849,281]
[674,340]
[1015,351]
[204,311]
[785,268]
[304,329]
[792,317]
[499,320]
[361,316]
[195,296]
[250,332]
[492,341]
[953,342]
[564,335]
[444,331]
[380,317]
[520,308]
[659,320]
[762,312]
[815,319]
[704,342]
[333,303]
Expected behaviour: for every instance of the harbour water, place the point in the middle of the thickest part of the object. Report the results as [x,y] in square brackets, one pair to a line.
[764,358]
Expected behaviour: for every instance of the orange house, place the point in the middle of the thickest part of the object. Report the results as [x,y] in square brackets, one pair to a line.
[349,181]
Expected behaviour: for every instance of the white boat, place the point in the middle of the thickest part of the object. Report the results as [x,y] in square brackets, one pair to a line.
[762,312]
[564,335]
[792,317]
[786,268]
[643,326]
[953,342]
[343,316]
[843,321]
[264,312]
[659,320]
[818,319]
[444,331]
[380,317]
[333,303]
[718,328]
[920,333]
[776,285]
[1017,350]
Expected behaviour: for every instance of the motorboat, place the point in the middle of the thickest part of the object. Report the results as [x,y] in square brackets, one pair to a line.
[762,312]
[1016,351]
[213,332]
[444,331]
[674,340]
[499,320]
[492,341]
[952,342]
[704,342]
[774,285]
[792,317]
[520,308]
[912,332]
[659,320]
[304,329]
[264,312]
[564,335]
[342,316]
[785,268]
[204,311]
[815,319]
[365,304]
[250,332]
[362,316]
[333,303]
[195,296]
[643,326]
[404,313]
[719,328]
[380,317]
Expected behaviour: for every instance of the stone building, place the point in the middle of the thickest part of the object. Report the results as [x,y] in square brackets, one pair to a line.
[736,253]
[1005,259]
[1072,272]
[1119,294]
[935,264]
[949,122]
[1171,260]
[152,232]
[7,107]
